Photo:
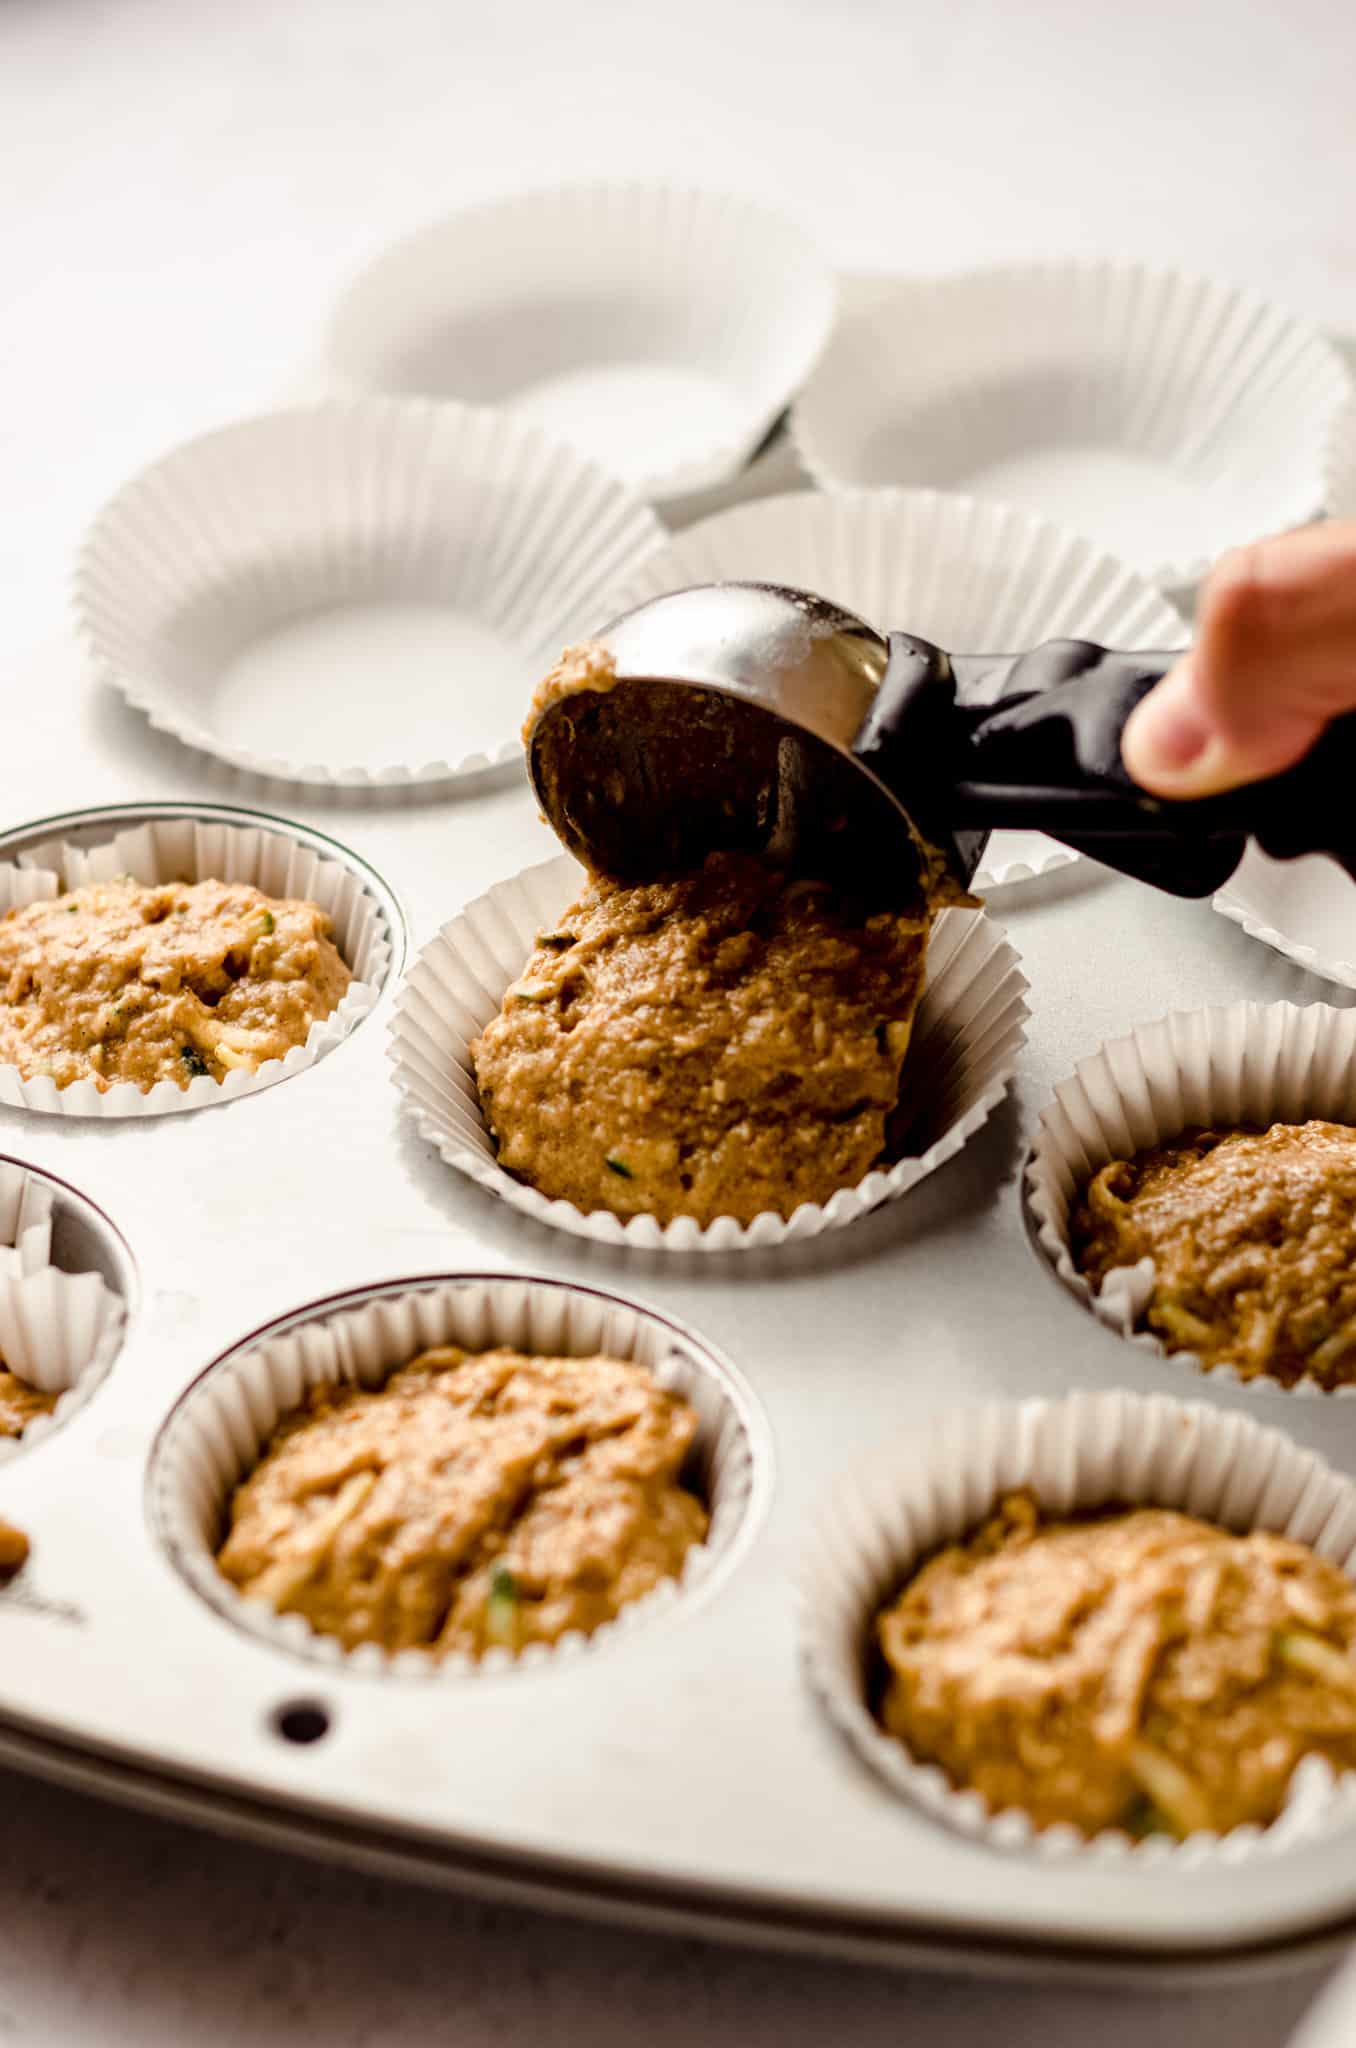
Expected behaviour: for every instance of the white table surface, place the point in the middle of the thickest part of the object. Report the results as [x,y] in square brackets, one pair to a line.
[182,187]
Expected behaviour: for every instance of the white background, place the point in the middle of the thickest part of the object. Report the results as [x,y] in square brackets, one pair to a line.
[182,186]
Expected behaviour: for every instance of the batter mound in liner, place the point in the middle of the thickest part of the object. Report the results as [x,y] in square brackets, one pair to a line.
[1253,1238]
[475,1501]
[20,1404]
[123,981]
[715,1044]
[1138,1670]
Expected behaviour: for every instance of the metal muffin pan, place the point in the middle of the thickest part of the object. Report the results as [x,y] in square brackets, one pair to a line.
[686,1777]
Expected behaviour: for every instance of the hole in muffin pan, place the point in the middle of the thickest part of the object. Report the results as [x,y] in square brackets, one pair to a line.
[205,1447]
[301,1722]
[370,931]
[82,1241]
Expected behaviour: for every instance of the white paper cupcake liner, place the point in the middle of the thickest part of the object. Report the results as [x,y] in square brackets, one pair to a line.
[1304,909]
[1242,1063]
[360,593]
[213,1438]
[966,1037]
[1172,416]
[60,1332]
[1091,1450]
[25,1221]
[659,329]
[972,576]
[1340,465]
[191,849]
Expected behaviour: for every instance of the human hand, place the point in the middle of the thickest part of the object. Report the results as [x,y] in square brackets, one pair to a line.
[1274,661]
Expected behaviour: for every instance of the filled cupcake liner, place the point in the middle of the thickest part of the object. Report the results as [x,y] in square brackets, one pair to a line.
[661,328]
[1240,1063]
[60,1332]
[190,849]
[1170,415]
[1304,909]
[214,1437]
[968,574]
[356,509]
[25,1221]
[1340,468]
[968,1031]
[938,1485]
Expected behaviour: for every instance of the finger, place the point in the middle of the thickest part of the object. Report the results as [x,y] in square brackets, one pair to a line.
[1173,747]
[1276,635]
[1274,661]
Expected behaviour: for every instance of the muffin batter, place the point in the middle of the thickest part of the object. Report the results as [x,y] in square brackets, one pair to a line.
[712,1045]
[20,1404]
[1138,1670]
[476,1500]
[13,1549]
[122,981]
[1253,1238]
[588,666]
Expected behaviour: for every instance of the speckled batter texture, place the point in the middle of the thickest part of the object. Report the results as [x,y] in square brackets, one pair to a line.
[1139,1670]
[122,981]
[475,1501]
[20,1404]
[719,1044]
[1253,1238]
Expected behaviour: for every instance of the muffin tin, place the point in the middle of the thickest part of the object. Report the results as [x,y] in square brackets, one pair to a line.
[683,1771]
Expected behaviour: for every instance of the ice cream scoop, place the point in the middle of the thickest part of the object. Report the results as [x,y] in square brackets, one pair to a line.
[757,716]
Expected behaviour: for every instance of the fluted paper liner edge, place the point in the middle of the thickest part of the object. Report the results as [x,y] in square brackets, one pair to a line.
[25,1221]
[60,1332]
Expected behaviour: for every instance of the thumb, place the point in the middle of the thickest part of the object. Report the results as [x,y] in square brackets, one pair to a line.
[1174,746]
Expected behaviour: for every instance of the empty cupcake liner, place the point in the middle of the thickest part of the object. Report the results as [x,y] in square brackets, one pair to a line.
[968,1031]
[1091,1450]
[25,1221]
[60,1332]
[1304,909]
[360,593]
[973,576]
[213,1437]
[1259,1063]
[190,849]
[1340,468]
[659,329]
[1170,415]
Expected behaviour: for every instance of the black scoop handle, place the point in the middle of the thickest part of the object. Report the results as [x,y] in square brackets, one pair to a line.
[1042,752]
